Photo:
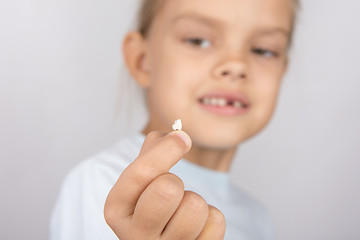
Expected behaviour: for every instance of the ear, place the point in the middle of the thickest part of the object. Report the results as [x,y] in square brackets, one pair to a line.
[135,56]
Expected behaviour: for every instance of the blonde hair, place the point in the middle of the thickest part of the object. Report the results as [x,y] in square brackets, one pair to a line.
[146,15]
[149,8]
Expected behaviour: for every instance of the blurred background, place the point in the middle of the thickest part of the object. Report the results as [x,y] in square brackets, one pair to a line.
[61,82]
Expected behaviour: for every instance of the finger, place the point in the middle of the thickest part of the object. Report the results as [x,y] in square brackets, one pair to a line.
[188,220]
[153,162]
[156,205]
[215,226]
[150,139]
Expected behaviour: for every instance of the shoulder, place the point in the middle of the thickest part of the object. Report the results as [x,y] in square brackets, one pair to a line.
[78,212]
[104,168]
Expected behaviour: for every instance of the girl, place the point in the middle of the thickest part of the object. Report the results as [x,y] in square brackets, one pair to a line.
[217,65]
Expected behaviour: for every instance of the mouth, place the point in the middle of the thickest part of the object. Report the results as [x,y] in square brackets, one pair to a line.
[225,103]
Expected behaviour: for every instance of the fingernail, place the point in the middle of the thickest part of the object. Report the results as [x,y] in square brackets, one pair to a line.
[183,136]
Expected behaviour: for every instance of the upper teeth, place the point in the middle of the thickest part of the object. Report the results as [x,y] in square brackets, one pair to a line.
[221,102]
[237,104]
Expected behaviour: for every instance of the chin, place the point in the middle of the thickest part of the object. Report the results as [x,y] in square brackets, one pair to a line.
[222,141]
[226,135]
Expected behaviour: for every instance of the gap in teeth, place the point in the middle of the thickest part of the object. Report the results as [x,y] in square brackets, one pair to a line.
[222,102]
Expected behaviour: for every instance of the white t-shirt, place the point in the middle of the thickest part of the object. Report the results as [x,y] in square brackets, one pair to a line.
[78,213]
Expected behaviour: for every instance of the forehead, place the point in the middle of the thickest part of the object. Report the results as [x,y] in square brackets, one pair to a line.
[231,13]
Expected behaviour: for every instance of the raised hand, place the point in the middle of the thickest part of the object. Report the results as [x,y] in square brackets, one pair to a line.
[148,202]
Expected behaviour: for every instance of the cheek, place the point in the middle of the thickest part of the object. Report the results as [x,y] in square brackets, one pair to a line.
[173,87]
[266,91]
[267,79]
[176,74]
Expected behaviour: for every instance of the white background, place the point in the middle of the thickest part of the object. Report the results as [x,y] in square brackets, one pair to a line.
[60,93]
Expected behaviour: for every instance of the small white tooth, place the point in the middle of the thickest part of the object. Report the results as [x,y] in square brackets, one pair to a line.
[218,100]
[237,104]
[222,102]
[177,125]
[206,101]
[213,101]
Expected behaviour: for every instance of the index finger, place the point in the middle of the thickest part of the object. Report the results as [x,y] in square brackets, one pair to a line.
[153,161]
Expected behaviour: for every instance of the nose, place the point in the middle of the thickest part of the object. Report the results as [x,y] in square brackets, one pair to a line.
[232,70]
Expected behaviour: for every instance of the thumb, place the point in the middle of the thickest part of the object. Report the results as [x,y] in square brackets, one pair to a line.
[155,136]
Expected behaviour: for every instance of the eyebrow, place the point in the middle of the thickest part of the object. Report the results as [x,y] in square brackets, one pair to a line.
[272,31]
[199,18]
[213,22]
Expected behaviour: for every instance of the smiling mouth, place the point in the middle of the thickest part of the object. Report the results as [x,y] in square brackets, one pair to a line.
[223,102]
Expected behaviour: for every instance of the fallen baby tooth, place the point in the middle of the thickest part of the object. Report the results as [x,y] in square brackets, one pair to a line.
[177,125]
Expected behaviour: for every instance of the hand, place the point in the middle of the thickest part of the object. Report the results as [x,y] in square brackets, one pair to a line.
[148,202]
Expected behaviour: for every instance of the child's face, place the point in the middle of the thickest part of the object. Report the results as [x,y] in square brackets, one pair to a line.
[230,50]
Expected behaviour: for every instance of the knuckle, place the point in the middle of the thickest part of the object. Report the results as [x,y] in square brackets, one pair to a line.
[216,216]
[111,215]
[169,187]
[135,234]
[144,172]
[196,203]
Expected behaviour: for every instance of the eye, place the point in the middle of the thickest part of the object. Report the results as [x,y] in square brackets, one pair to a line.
[264,52]
[198,42]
